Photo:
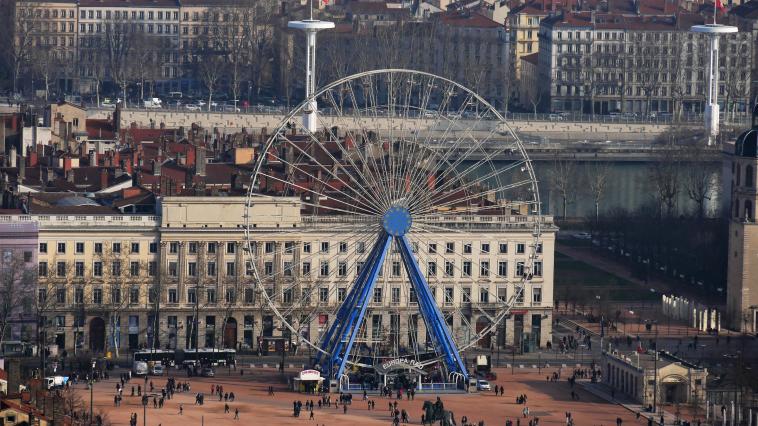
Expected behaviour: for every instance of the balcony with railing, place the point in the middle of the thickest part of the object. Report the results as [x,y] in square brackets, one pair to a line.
[54,221]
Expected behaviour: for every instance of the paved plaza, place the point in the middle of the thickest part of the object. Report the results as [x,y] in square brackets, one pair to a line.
[549,401]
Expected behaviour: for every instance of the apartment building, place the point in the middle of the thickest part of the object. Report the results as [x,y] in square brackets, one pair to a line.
[109,286]
[523,25]
[601,63]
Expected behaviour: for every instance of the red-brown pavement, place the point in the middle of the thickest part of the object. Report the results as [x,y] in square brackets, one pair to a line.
[547,400]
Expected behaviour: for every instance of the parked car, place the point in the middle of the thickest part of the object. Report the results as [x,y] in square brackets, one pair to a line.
[153,103]
[230,108]
[483,385]
[208,372]
[192,107]
[555,117]
[157,370]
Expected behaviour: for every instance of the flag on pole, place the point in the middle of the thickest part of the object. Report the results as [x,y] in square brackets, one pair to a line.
[719,5]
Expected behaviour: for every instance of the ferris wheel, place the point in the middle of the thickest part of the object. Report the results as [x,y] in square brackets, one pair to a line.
[399,160]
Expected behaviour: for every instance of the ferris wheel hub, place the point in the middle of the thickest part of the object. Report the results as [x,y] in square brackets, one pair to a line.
[397,221]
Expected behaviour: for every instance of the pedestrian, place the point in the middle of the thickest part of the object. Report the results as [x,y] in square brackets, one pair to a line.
[344,408]
[311,416]
[237,414]
[226,408]
[181,409]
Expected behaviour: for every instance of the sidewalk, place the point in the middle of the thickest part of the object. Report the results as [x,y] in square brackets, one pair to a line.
[600,390]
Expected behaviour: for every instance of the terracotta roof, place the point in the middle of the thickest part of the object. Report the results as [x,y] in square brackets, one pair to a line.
[616,21]
[100,129]
[467,19]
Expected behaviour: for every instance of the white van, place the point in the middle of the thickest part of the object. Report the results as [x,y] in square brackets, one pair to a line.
[139,368]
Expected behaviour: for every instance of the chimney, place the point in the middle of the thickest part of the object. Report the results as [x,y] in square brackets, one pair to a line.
[12,157]
[156,167]
[103,178]
[50,175]
[92,158]
[200,161]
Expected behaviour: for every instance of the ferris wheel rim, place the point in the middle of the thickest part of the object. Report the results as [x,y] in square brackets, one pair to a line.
[299,109]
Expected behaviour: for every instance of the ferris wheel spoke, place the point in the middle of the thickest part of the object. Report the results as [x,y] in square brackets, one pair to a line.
[480,195]
[369,204]
[367,213]
[368,178]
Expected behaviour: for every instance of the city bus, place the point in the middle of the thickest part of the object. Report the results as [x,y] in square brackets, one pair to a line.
[209,356]
[166,358]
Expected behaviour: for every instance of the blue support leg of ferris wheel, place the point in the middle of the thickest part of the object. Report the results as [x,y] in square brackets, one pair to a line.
[430,311]
[346,339]
[338,323]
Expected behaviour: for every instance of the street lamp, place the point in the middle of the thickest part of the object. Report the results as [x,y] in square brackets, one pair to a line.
[91,391]
[144,409]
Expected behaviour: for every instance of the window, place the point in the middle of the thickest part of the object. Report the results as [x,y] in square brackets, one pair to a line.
[115,296]
[520,248]
[485,248]
[153,248]
[287,295]
[191,269]
[42,296]
[377,295]
[537,295]
[449,295]
[211,247]
[232,247]
[342,269]
[43,247]
[61,269]
[341,293]
[117,247]
[134,295]
[323,294]
[173,269]
[60,295]
[449,248]
[325,247]
[431,269]
[395,269]
[191,296]
[539,248]
[98,248]
[61,247]
[449,268]
[211,269]
[173,248]
[502,268]
[249,295]
[79,269]
[306,268]
[42,269]
[268,268]
[192,248]
[520,297]
[360,247]
[97,296]
[288,269]
[60,320]
[484,295]
[79,248]
[343,247]
[268,247]
[502,294]
[79,295]
[467,248]
[230,296]
[152,268]
[324,268]
[210,295]
[432,248]
[519,269]
[134,269]
[134,248]
[116,268]
[172,296]
[289,247]
[359,267]
[538,269]
[306,247]
[230,269]
[467,268]
[484,269]
[395,295]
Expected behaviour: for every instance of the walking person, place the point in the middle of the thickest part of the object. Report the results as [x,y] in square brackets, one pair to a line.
[181,409]
[237,414]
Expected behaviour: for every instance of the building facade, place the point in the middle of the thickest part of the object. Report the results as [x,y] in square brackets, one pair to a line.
[18,278]
[669,380]
[741,174]
[129,275]
[601,63]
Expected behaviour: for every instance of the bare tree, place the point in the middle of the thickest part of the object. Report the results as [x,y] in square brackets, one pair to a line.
[144,65]
[17,280]
[666,174]
[596,178]
[118,43]
[20,43]
[698,181]
[46,63]
[563,180]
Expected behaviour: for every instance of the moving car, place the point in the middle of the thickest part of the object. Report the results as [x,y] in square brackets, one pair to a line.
[208,372]
[483,385]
